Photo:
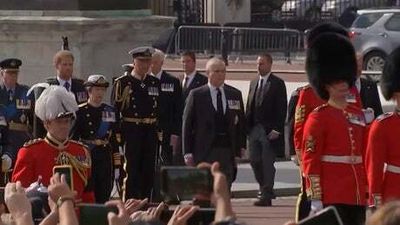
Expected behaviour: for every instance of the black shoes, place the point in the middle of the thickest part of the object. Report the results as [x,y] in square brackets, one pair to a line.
[263,202]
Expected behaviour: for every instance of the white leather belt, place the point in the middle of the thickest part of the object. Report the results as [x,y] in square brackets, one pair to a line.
[347,159]
[392,168]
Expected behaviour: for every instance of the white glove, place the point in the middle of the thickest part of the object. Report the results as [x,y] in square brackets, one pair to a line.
[116,174]
[368,115]
[189,161]
[5,163]
[316,205]
[295,160]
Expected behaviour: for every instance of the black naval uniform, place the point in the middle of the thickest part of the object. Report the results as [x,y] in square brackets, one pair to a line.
[97,127]
[170,118]
[137,101]
[76,87]
[17,108]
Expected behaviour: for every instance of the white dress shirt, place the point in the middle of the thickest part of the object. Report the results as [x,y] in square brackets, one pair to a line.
[190,79]
[62,82]
[264,78]
[214,92]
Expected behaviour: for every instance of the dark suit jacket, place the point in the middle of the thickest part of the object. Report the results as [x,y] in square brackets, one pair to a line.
[289,124]
[198,130]
[273,109]
[370,96]
[198,80]
[77,88]
[171,105]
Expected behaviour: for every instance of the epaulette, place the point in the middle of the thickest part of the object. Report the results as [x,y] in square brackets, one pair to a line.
[319,108]
[119,78]
[384,116]
[33,142]
[83,104]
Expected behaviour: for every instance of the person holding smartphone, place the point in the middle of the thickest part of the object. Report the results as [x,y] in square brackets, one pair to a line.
[333,140]
[97,127]
[56,107]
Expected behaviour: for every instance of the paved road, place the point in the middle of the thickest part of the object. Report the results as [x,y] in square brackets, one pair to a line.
[287,181]
[283,210]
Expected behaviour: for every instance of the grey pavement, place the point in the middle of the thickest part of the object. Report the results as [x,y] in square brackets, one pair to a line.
[287,181]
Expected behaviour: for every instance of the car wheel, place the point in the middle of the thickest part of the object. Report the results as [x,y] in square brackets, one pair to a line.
[313,14]
[374,61]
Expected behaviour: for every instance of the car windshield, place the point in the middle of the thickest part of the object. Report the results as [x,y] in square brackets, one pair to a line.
[366,20]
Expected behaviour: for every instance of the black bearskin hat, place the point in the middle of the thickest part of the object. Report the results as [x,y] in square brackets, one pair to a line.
[325,27]
[390,79]
[330,58]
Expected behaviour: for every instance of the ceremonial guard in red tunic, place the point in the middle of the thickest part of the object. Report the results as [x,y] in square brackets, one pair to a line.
[307,101]
[383,155]
[56,107]
[333,140]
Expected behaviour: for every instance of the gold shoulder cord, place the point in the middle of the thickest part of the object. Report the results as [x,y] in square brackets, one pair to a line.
[65,158]
[122,97]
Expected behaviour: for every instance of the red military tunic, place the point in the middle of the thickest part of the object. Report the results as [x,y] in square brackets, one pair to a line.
[384,148]
[38,157]
[333,155]
[307,102]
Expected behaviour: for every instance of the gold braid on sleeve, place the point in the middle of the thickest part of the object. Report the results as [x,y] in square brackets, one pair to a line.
[65,158]
[122,96]
[314,192]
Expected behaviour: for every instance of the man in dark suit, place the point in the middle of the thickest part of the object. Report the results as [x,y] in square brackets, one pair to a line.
[213,122]
[265,115]
[16,110]
[191,78]
[368,91]
[63,62]
[171,106]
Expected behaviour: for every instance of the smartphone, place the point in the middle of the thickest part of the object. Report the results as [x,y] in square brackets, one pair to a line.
[327,216]
[95,214]
[184,183]
[67,171]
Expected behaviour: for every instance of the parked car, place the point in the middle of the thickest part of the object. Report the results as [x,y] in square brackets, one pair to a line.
[375,33]
[346,10]
[302,9]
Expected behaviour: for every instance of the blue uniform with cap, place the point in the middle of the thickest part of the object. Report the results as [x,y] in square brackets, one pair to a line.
[17,109]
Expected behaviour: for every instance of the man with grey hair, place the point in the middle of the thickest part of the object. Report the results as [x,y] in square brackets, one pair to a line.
[213,122]
[171,103]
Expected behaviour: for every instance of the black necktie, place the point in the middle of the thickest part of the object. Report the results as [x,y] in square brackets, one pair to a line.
[66,85]
[185,85]
[219,102]
[259,92]
[10,95]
